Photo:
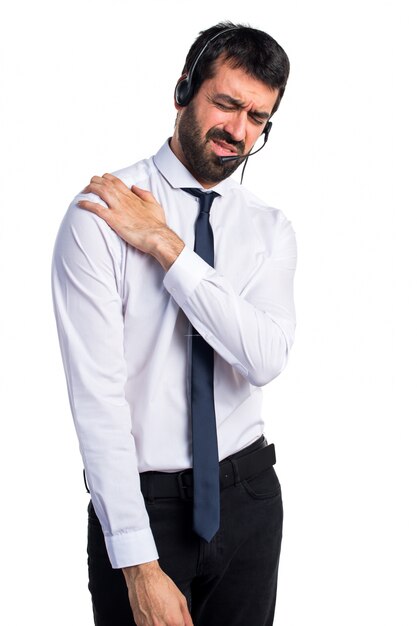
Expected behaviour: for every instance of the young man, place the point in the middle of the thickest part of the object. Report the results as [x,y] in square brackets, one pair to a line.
[171,316]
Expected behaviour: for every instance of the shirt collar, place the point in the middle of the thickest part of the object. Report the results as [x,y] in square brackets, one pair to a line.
[178,176]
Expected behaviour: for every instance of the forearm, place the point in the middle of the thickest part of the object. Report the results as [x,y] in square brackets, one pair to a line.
[254,343]
[252,331]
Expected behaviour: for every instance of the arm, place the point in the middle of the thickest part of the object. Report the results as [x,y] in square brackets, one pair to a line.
[253,329]
[88,309]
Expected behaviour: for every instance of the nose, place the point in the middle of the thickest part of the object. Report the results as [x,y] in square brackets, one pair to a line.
[236,125]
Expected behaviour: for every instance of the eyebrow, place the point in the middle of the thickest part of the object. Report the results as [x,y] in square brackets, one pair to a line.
[240,105]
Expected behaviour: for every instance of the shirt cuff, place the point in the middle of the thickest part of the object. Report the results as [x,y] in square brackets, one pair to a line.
[131,548]
[185,274]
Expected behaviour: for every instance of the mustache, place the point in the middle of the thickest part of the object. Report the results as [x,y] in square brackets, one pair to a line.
[222,135]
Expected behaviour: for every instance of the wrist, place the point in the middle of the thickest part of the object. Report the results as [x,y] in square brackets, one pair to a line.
[166,247]
[138,571]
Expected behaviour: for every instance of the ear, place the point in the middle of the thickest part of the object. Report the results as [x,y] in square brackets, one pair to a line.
[177,96]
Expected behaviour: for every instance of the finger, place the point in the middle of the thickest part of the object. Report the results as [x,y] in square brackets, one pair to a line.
[186,615]
[111,177]
[91,188]
[143,194]
[107,191]
[187,618]
[96,179]
[113,181]
[94,207]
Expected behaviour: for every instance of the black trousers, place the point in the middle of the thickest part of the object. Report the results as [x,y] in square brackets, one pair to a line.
[230,581]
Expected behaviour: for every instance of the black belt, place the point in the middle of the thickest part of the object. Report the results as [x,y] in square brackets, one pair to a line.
[249,462]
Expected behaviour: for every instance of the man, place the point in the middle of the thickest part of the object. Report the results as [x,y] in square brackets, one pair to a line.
[165,354]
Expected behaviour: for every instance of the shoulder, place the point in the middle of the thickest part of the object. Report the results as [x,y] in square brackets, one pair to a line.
[139,173]
[82,225]
[267,216]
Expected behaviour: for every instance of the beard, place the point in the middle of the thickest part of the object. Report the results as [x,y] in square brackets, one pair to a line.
[203,164]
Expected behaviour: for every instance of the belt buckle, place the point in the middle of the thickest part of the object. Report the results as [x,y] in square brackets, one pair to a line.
[182,487]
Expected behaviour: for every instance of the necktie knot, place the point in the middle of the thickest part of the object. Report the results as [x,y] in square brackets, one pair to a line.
[205,198]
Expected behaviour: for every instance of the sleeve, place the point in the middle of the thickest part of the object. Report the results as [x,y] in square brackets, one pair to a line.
[89,316]
[251,328]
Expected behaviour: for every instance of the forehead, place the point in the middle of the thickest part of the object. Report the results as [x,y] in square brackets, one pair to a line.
[238,84]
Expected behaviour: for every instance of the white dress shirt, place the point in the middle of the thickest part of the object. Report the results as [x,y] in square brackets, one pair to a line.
[124,323]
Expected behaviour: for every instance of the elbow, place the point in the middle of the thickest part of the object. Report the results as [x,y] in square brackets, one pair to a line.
[270,362]
[263,375]
[267,370]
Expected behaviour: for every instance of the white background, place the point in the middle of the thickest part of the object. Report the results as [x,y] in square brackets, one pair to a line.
[86,87]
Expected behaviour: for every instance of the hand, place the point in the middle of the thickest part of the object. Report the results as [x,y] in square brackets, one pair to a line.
[154,598]
[136,216]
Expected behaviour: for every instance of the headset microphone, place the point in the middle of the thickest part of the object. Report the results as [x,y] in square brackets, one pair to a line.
[266,132]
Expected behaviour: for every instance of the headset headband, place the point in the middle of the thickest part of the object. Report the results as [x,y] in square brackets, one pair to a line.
[184,90]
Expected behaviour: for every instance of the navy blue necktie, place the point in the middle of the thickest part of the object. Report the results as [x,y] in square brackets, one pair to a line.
[204,433]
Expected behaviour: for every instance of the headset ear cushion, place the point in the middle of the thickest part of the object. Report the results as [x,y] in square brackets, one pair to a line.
[183,92]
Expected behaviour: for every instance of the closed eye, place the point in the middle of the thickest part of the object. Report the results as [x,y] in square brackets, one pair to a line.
[223,102]
[258,121]
[254,117]
[224,107]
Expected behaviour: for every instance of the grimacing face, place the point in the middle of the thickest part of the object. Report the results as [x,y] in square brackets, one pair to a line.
[203,163]
[224,118]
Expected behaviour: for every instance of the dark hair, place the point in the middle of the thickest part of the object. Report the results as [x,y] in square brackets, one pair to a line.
[252,50]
